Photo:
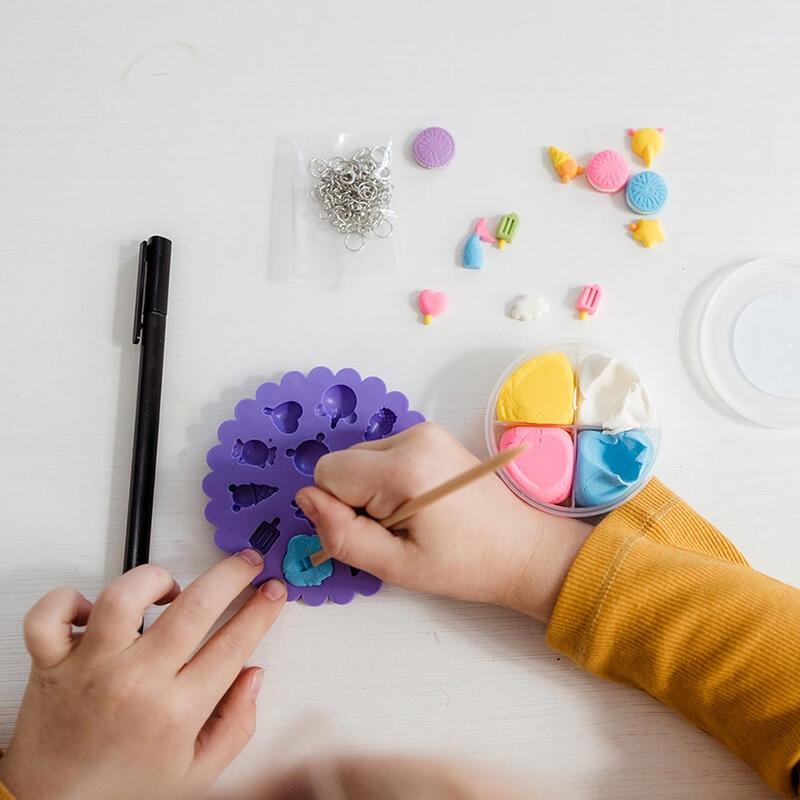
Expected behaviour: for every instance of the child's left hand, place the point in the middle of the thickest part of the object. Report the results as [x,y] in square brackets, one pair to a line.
[111,714]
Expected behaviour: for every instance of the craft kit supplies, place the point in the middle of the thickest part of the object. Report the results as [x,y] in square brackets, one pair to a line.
[607,171]
[355,194]
[433,148]
[588,421]
[565,165]
[647,231]
[588,300]
[431,304]
[646,192]
[507,230]
[647,143]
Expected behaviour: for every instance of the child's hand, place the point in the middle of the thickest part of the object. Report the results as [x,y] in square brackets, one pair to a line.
[114,715]
[480,543]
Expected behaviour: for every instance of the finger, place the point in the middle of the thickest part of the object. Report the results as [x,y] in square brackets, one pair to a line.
[48,625]
[217,663]
[175,635]
[346,536]
[359,477]
[229,728]
[120,607]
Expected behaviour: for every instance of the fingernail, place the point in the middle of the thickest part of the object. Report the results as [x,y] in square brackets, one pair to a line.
[306,506]
[252,557]
[273,589]
[256,679]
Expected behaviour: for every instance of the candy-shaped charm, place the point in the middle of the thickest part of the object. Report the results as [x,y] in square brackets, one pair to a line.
[506,230]
[473,254]
[589,300]
[647,143]
[431,304]
[565,165]
[647,231]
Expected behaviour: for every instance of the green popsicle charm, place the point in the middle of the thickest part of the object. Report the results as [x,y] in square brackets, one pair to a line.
[506,230]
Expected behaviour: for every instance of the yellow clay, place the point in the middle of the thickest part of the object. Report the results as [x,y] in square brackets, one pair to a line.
[647,143]
[647,231]
[565,165]
[540,391]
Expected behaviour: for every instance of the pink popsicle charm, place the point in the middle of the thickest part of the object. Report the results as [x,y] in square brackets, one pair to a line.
[589,300]
[431,304]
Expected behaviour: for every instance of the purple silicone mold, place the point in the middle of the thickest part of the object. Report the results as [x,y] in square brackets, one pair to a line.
[268,453]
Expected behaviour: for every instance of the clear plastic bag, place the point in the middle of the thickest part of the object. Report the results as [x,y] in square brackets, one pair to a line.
[344,224]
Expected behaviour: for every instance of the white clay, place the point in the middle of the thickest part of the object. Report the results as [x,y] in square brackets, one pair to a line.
[527,309]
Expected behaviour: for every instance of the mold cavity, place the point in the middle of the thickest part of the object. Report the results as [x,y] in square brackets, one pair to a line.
[380,424]
[308,453]
[254,452]
[298,512]
[265,536]
[354,572]
[338,402]
[244,495]
[286,416]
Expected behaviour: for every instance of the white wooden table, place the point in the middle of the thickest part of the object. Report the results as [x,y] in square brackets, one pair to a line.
[118,121]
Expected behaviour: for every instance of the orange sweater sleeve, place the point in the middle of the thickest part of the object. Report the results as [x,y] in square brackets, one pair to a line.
[659,599]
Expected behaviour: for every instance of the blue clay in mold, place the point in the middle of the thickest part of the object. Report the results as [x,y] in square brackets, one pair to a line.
[609,465]
[297,567]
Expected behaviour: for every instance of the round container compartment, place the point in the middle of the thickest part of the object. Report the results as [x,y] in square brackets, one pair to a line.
[575,350]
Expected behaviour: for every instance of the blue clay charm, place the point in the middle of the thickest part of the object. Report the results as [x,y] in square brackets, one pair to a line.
[297,567]
[473,252]
[609,465]
[646,192]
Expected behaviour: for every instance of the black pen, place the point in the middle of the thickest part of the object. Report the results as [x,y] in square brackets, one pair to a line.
[149,327]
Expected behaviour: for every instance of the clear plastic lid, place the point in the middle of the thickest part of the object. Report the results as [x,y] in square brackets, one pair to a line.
[750,342]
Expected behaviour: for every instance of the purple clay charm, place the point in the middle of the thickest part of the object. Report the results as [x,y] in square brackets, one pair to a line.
[265,535]
[308,453]
[244,495]
[433,148]
[338,402]
[380,424]
[286,416]
[254,452]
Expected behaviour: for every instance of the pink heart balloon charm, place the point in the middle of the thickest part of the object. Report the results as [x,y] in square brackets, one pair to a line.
[431,304]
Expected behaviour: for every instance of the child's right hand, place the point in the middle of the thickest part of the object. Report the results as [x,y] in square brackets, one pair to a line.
[481,543]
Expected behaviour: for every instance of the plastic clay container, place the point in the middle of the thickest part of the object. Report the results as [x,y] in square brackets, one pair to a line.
[575,350]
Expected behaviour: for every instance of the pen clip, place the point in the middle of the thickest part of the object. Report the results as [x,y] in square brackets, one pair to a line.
[138,314]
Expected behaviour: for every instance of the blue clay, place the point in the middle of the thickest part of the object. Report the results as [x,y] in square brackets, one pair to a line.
[297,567]
[473,252]
[609,465]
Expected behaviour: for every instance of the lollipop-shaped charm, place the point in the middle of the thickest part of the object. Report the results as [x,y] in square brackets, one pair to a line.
[431,304]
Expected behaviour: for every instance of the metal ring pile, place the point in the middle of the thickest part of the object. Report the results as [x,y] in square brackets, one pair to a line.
[355,194]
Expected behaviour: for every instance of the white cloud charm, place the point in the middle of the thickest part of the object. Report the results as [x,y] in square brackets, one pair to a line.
[527,309]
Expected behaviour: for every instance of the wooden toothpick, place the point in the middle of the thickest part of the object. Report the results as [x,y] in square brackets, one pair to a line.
[416,504]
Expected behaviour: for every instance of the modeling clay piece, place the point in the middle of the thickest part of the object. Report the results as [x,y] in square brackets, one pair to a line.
[589,300]
[647,143]
[482,229]
[647,231]
[473,254]
[607,171]
[506,230]
[433,148]
[565,165]
[540,391]
[646,193]
[431,304]
[608,465]
[544,470]
[611,395]
[526,309]
[297,567]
